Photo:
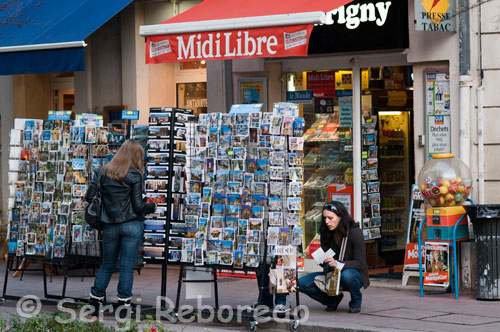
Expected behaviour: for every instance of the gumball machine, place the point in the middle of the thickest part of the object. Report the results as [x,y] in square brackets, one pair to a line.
[445,183]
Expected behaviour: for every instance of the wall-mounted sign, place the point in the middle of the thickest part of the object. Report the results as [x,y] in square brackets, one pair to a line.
[362,25]
[323,80]
[435,15]
[439,135]
[130,115]
[437,93]
[299,97]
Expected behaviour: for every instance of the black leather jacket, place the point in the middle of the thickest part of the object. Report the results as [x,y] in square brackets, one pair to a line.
[122,201]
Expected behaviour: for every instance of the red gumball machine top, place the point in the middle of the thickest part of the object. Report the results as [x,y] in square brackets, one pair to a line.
[445,180]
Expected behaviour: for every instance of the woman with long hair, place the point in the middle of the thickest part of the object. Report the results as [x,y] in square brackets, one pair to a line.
[336,224]
[122,217]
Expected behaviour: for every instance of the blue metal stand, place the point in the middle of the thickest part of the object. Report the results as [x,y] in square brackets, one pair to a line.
[452,245]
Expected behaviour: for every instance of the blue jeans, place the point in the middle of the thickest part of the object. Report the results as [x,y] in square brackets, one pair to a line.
[266,298]
[118,239]
[350,280]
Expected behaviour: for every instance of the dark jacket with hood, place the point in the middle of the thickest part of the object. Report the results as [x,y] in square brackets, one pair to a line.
[122,201]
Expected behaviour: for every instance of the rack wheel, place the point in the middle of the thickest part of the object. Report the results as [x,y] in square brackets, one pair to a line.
[174,318]
[253,326]
[294,327]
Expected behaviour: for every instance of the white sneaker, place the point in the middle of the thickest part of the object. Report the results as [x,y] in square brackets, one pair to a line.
[281,309]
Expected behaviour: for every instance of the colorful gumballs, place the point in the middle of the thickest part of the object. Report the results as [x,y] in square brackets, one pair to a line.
[440,200]
[458,197]
[461,187]
[467,182]
[449,197]
[440,182]
[452,203]
[435,190]
[446,183]
[432,201]
[428,180]
[459,180]
[443,189]
[422,187]
[453,189]
[426,192]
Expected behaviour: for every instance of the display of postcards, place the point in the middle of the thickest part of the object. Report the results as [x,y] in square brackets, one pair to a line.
[298,127]
[293,219]
[227,235]
[275,204]
[77,134]
[369,139]
[157,172]
[193,209]
[78,177]
[232,211]
[259,200]
[295,188]
[296,173]
[177,228]
[193,199]
[372,151]
[296,143]
[275,127]
[276,172]
[157,185]
[255,224]
[191,221]
[79,151]
[100,151]
[77,164]
[252,260]
[253,236]
[294,203]
[375,222]
[180,133]
[159,118]
[284,236]
[232,199]
[218,210]
[226,258]
[174,255]
[245,211]
[158,198]
[77,233]
[158,158]
[56,135]
[272,235]
[47,135]
[376,211]
[262,165]
[265,128]
[179,159]
[79,190]
[158,145]
[179,146]
[115,139]
[215,233]
[212,257]
[251,165]
[190,232]
[374,198]
[373,187]
[297,235]
[257,211]
[219,199]
[153,252]
[175,242]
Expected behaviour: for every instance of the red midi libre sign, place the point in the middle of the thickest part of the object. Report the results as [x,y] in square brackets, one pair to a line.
[282,41]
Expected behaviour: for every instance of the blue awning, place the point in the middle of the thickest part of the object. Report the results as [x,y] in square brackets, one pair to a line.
[48,36]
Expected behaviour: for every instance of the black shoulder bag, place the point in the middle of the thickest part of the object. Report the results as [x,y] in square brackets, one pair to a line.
[93,209]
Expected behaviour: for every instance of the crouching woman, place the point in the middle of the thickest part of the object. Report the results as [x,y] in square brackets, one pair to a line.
[336,225]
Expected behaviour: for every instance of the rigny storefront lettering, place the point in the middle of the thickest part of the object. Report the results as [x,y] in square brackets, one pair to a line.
[353,15]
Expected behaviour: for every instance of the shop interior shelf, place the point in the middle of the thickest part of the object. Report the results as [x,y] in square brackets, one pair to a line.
[392,157]
[393,182]
[394,208]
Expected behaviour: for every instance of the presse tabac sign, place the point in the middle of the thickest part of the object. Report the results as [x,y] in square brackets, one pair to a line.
[435,15]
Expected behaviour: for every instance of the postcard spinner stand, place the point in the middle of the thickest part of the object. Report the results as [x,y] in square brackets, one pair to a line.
[216,229]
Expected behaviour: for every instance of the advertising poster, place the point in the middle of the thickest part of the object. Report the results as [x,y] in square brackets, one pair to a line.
[438,134]
[437,272]
[417,214]
[251,92]
[437,93]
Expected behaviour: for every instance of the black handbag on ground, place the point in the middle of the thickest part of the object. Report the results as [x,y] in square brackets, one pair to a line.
[93,209]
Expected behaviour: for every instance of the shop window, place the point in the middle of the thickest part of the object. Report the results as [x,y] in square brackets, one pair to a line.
[192,96]
[387,159]
[328,172]
[193,65]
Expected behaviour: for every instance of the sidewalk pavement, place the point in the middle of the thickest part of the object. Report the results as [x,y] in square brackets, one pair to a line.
[387,306]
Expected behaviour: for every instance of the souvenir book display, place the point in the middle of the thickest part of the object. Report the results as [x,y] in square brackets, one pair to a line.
[49,178]
[165,161]
[371,212]
[244,191]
